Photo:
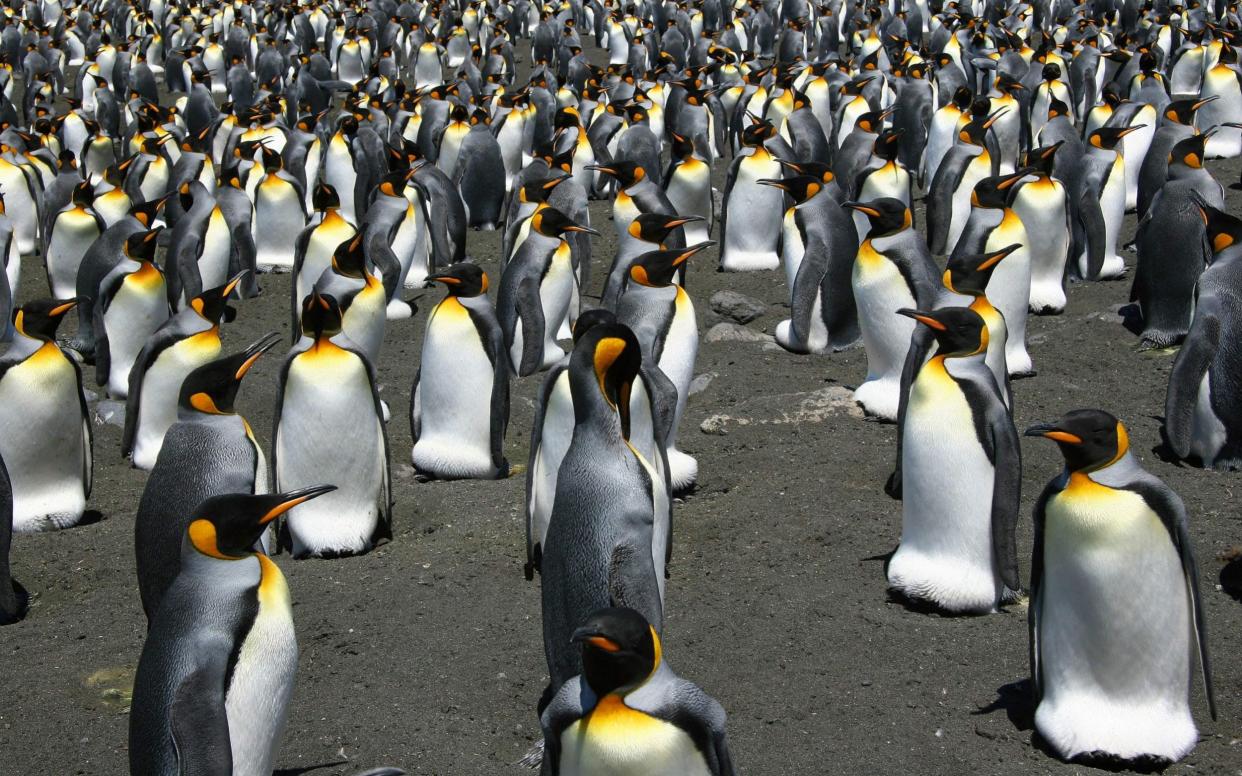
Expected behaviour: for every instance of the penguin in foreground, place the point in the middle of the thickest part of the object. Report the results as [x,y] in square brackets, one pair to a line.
[45,427]
[628,713]
[213,684]
[329,419]
[958,547]
[1115,614]
[13,597]
[1203,406]
[459,405]
[209,451]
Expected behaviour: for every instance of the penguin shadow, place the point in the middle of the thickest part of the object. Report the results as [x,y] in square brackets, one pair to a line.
[1231,575]
[1164,450]
[90,517]
[1132,319]
[307,769]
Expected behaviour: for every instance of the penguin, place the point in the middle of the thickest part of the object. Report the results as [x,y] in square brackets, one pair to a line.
[317,243]
[72,233]
[329,418]
[187,340]
[688,186]
[217,669]
[636,194]
[209,451]
[1115,613]
[958,548]
[45,428]
[754,241]
[360,295]
[942,133]
[459,404]
[647,231]
[1041,202]
[131,304]
[480,175]
[892,270]
[627,712]
[201,249]
[535,292]
[607,536]
[13,597]
[1201,414]
[948,199]
[1102,204]
[818,249]
[279,215]
[1176,124]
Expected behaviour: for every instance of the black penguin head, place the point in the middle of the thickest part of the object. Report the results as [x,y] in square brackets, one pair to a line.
[550,222]
[1223,230]
[591,318]
[41,318]
[146,212]
[759,132]
[818,170]
[1089,439]
[656,269]
[872,121]
[655,227]
[212,388]
[609,357]
[321,315]
[887,144]
[1051,72]
[1057,108]
[963,96]
[227,527]
[461,279]
[626,172]
[83,194]
[1107,138]
[995,192]
[1042,159]
[1183,111]
[539,191]
[969,273]
[140,246]
[213,304]
[620,650]
[325,197]
[886,215]
[349,259]
[800,187]
[959,331]
[1188,152]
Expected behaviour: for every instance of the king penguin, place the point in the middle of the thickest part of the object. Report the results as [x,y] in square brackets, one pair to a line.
[754,240]
[209,451]
[958,548]
[131,304]
[329,419]
[73,230]
[1042,205]
[279,215]
[1102,205]
[1115,615]
[628,712]
[459,405]
[45,428]
[688,186]
[213,684]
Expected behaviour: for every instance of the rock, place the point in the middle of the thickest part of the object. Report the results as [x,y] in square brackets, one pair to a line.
[732,332]
[715,425]
[110,412]
[700,383]
[812,407]
[739,307]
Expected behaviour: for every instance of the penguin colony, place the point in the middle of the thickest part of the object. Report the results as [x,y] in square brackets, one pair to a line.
[159,158]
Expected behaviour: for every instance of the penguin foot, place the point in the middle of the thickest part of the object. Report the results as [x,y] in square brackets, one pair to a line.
[1111,762]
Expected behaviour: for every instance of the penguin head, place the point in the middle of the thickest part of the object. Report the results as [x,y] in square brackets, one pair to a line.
[1107,138]
[620,650]
[1223,230]
[1183,111]
[655,227]
[886,215]
[1042,159]
[83,194]
[759,132]
[626,172]
[212,388]
[818,170]
[656,269]
[970,273]
[1057,108]
[800,187]
[325,197]
[995,192]
[551,222]
[1188,152]
[39,319]
[959,331]
[140,246]
[1051,72]
[533,192]
[213,304]
[887,144]
[321,315]
[591,318]
[349,259]
[872,121]
[461,279]
[227,527]
[605,361]
[1089,439]
[962,97]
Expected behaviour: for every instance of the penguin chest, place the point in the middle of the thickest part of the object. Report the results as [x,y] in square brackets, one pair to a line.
[624,211]
[262,682]
[161,385]
[880,290]
[755,228]
[556,290]
[155,179]
[1040,206]
[681,345]
[213,261]
[278,220]
[137,309]
[615,740]
[891,180]
[364,320]
[792,248]
[74,232]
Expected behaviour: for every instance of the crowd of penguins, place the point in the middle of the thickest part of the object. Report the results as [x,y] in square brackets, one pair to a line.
[159,156]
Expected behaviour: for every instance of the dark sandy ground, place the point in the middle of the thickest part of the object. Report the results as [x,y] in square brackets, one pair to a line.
[427,652]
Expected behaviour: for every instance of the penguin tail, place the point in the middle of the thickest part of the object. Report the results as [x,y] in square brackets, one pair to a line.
[533,758]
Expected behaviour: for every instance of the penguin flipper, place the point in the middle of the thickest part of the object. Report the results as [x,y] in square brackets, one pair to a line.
[536,438]
[564,709]
[530,315]
[920,345]
[1037,578]
[137,373]
[1192,363]
[416,407]
[103,356]
[1006,494]
[1092,217]
[199,722]
[940,202]
[807,285]
[88,435]
[381,254]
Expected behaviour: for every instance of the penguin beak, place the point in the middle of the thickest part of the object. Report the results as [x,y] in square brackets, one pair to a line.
[292,499]
[861,208]
[686,254]
[232,284]
[773,183]
[924,318]
[447,280]
[588,635]
[1050,431]
[601,168]
[583,229]
[65,306]
[995,258]
[676,222]
[1128,130]
[254,352]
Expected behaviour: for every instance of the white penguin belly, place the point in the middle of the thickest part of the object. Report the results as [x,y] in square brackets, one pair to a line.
[329,431]
[155,181]
[1115,629]
[161,386]
[278,220]
[792,248]
[339,173]
[1113,207]
[1009,290]
[323,242]
[615,740]
[257,701]
[455,397]
[42,441]
[880,291]
[1040,206]
[681,348]
[690,191]
[1207,434]
[754,228]
[366,317]
[73,234]
[213,262]
[1134,149]
[558,429]
[945,555]
[137,309]
[415,240]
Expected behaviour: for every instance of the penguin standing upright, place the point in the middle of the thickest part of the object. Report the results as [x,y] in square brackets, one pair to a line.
[201,249]
[1042,205]
[958,546]
[608,535]
[648,231]
[688,186]
[216,673]
[72,233]
[628,712]
[1201,410]
[279,215]
[361,296]
[753,240]
[1101,205]
[45,429]
[316,245]
[948,199]
[131,304]
[189,339]
[329,418]
[892,271]
[209,451]
[1115,615]
[480,174]
[459,405]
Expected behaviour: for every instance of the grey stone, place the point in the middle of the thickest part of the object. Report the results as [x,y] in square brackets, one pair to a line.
[110,412]
[732,332]
[700,383]
[739,307]
[786,409]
